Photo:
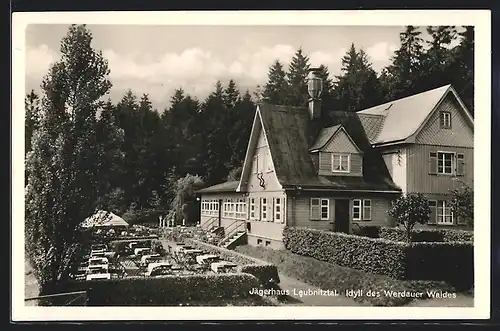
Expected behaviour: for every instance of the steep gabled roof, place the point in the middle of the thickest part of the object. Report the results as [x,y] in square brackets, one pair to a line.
[290,132]
[397,120]
[324,136]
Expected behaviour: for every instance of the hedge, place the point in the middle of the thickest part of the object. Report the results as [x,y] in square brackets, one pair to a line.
[165,290]
[450,261]
[372,255]
[427,235]
[263,271]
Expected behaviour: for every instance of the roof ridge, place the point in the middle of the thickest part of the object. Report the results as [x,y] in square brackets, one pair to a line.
[404,98]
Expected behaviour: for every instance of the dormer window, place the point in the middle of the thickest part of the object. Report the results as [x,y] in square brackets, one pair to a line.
[445,120]
[340,162]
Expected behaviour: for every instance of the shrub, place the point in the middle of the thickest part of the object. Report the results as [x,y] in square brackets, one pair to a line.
[165,290]
[462,204]
[372,255]
[409,210]
[427,235]
[264,272]
[444,261]
[371,231]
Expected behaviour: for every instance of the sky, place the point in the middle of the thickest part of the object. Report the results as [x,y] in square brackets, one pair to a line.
[159,59]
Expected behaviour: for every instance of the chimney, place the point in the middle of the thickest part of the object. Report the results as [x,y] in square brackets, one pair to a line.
[314,87]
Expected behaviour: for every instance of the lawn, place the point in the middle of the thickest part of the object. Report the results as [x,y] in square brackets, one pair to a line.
[328,276]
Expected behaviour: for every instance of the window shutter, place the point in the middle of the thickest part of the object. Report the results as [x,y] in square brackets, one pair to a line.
[433,163]
[315,209]
[460,164]
[433,216]
[283,210]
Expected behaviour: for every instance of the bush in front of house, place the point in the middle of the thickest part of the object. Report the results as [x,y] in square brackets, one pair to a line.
[451,261]
[442,261]
[164,290]
[372,255]
[370,231]
[265,273]
[427,235]
[410,209]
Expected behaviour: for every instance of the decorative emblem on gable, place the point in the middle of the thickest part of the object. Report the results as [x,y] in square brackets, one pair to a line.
[260,177]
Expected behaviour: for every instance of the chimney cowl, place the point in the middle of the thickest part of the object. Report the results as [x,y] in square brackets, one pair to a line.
[314,88]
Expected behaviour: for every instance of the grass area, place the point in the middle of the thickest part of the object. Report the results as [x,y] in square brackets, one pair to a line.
[328,276]
[232,302]
[30,283]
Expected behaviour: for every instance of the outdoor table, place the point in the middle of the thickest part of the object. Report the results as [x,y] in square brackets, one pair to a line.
[201,259]
[155,265]
[193,252]
[221,265]
[99,276]
[140,251]
[150,257]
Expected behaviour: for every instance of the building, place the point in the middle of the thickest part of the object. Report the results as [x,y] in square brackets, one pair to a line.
[331,170]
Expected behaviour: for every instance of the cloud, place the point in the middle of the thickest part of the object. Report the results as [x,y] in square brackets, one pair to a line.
[196,70]
[38,61]
[380,54]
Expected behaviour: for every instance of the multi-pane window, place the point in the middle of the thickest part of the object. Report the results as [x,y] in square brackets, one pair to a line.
[445,120]
[241,207]
[445,163]
[263,209]
[255,164]
[278,210]
[362,209]
[340,162]
[444,214]
[252,208]
[325,209]
[210,207]
[320,209]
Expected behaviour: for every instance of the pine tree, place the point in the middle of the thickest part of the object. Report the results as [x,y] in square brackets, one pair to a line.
[358,86]
[461,69]
[403,74]
[297,79]
[276,89]
[231,94]
[64,182]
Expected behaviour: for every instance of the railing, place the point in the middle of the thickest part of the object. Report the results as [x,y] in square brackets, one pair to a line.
[72,301]
[211,221]
[230,232]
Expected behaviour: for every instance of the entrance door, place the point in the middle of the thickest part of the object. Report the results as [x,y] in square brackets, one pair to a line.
[342,217]
[220,213]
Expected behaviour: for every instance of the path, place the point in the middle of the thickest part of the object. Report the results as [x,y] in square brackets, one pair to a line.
[295,287]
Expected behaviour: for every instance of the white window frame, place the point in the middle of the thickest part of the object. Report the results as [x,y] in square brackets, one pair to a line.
[320,207]
[445,120]
[364,216]
[445,206]
[357,206]
[441,158]
[241,207]
[278,210]
[327,206]
[252,209]
[340,157]
[263,209]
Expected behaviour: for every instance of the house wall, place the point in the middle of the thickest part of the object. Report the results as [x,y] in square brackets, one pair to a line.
[461,134]
[216,196]
[419,179]
[340,143]
[396,161]
[299,210]
[271,181]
